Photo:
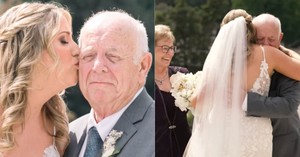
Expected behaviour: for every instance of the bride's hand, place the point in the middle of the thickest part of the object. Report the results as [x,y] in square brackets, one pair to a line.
[194,100]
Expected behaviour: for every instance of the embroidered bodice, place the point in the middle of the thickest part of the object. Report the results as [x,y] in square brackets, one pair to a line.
[52,151]
[257,132]
[262,83]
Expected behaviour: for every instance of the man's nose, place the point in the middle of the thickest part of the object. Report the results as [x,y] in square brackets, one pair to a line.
[99,65]
[266,42]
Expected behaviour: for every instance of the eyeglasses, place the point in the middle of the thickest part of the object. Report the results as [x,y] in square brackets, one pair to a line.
[166,48]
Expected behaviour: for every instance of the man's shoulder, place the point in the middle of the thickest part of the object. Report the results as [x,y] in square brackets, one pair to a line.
[279,78]
[142,107]
[277,75]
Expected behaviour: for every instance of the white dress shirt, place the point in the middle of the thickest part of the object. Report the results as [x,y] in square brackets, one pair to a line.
[106,124]
[244,106]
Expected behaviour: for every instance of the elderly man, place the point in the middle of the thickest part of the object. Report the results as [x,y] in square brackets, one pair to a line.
[114,63]
[284,96]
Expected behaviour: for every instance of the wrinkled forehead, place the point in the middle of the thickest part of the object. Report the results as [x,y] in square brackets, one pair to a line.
[268,30]
[107,33]
[267,25]
[112,22]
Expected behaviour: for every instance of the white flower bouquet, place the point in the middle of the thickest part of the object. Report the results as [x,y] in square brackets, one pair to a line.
[183,87]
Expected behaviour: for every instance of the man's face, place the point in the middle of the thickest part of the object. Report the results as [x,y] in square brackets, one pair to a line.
[268,34]
[107,73]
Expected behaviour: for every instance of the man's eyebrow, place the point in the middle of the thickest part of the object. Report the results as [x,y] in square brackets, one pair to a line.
[87,49]
[111,50]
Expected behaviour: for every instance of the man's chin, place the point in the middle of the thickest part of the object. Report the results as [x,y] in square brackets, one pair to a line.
[100,101]
[101,93]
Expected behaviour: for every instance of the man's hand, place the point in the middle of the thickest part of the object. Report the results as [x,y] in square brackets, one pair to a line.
[289,52]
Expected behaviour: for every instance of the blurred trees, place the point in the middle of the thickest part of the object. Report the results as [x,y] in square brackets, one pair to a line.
[195,23]
[194,27]
[287,11]
[80,11]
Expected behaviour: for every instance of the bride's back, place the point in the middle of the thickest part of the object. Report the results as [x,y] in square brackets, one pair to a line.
[275,59]
[254,62]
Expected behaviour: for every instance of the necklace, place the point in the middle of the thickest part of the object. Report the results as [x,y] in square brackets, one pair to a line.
[162,80]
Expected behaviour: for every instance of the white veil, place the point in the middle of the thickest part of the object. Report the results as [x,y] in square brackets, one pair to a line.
[221,92]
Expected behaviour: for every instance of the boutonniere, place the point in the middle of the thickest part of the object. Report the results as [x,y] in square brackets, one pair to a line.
[110,142]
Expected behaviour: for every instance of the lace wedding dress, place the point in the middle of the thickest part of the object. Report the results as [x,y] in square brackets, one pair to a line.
[221,128]
[257,131]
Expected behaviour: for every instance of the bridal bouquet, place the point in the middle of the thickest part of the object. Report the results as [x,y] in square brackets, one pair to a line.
[183,87]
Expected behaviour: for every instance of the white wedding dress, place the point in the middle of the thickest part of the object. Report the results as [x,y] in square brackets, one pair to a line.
[52,151]
[221,128]
[257,131]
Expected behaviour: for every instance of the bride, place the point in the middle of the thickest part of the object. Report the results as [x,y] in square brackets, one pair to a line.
[235,65]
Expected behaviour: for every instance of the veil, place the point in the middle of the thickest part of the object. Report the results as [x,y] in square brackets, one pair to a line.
[220,94]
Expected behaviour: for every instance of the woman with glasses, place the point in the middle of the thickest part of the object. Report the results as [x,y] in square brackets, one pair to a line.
[171,128]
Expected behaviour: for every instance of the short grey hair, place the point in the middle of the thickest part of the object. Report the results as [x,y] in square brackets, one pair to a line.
[268,18]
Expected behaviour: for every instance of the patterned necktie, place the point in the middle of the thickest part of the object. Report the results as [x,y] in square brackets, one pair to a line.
[94,143]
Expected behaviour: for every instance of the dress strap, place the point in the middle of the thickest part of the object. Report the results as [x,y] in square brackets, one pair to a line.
[263,51]
[54,135]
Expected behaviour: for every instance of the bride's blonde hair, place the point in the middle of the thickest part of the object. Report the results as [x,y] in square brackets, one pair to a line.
[26,30]
[251,31]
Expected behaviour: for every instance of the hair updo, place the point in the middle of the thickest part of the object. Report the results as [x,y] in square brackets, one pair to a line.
[251,31]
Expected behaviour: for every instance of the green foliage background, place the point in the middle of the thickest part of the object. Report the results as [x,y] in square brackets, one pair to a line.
[80,11]
[195,23]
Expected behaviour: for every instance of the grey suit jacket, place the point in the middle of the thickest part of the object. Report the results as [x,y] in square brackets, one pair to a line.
[281,106]
[137,124]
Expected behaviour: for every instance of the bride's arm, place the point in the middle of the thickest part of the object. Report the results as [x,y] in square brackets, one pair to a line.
[198,95]
[282,63]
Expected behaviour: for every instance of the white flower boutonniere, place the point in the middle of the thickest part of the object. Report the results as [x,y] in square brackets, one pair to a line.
[183,87]
[109,143]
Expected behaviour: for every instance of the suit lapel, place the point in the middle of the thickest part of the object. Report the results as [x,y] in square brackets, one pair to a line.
[128,131]
[133,114]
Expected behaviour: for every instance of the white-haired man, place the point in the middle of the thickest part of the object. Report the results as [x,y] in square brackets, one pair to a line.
[284,95]
[114,63]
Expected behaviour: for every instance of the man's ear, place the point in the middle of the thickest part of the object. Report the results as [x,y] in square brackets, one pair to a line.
[145,65]
[280,37]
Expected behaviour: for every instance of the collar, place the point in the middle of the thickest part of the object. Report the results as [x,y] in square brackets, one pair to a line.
[106,124]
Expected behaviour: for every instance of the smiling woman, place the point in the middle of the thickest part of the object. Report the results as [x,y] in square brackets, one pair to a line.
[171,128]
[38,59]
